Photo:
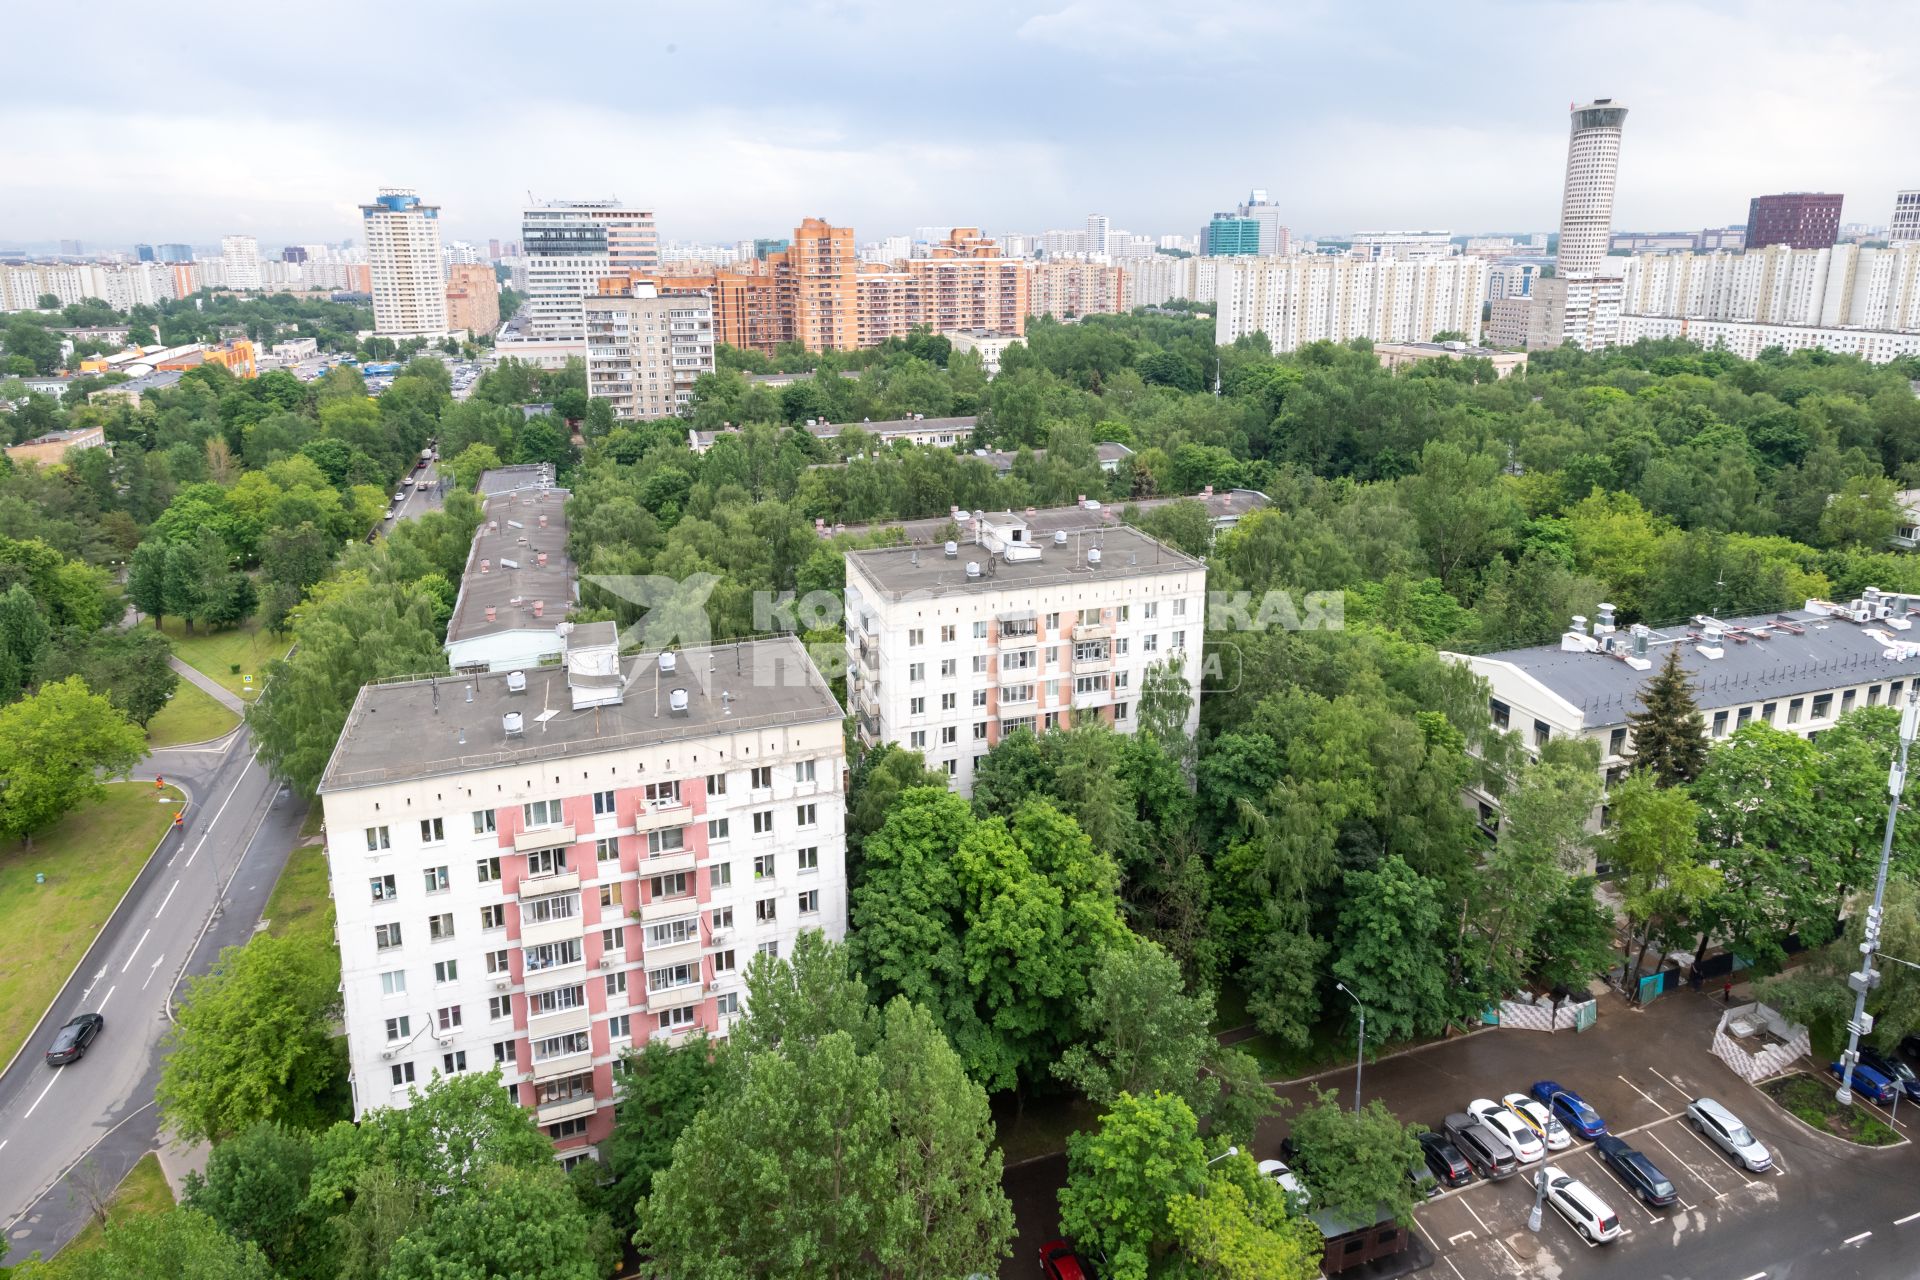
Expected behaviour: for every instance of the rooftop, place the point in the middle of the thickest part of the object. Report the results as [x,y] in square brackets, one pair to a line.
[527,475]
[893,427]
[1122,551]
[1224,506]
[431,727]
[518,568]
[1762,657]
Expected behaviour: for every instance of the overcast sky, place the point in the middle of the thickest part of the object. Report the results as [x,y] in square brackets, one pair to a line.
[123,123]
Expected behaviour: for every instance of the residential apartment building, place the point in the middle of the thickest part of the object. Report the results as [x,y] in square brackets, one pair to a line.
[1403,246]
[405,269]
[1797,219]
[1160,279]
[240,259]
[950,649]
[568,247]
[1067,288]
[1511,280]
[1904,226]
[519,584]
[1845,285]
[645,349]
[1582,309]
[1747,340]
[1507,321]
[815,285]
[1586,199]
[473,298]
[537,869]
[121,286]
[1299,300]
[988,344]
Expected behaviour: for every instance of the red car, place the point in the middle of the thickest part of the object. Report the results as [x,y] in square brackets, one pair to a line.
[1059,1262]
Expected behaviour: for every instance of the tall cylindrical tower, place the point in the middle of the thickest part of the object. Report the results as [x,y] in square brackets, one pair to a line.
[1586,206]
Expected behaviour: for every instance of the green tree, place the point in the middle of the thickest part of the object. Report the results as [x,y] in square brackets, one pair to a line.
[1664,883]
[24,634]
[255,1187]
[509,1221]
[877,781]
[1669,735]
[661,1089]
[179,1242]
[253,1041]
[466,466]
[57,746]
[1123,1176]
[1390,950]
[1573,941]
[1356,1162]
[132,668]
[1239,1227]
[446,1134]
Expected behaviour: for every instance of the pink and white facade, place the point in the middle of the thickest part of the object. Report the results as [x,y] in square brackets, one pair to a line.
[541,869]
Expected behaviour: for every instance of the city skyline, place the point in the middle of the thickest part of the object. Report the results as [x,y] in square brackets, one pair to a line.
[1161,115]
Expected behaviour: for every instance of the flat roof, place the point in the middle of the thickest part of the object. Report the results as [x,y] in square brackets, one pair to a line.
[412,728]
[1045,520]
[509,543]
[1802,652]
[892,427]
[525,475]
[1125,552]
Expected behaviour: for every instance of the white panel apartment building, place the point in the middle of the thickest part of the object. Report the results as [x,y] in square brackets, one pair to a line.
[1846,285]
[644,351]
[403,255]
[121,285]
[1161,278]
[1299,300]
[536,870]
[568,247]
[240,257]
[947,654]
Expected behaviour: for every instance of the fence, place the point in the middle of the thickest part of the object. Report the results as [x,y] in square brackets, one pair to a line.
[1544,1014]
[1757,1065]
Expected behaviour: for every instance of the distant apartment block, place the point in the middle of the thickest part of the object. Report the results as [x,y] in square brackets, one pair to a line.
[405,268]
[1160,279]
[1507,321]
[988,344]
[1397,355]
[1511,280]
[1299,300]
[1747,340]
[1904,226]
[537,869]
[645,350]
[240,259]
[1067,288]
[568,247]
[1581,310]
[121,286]
[1796,219]
[473,298]
[950,649]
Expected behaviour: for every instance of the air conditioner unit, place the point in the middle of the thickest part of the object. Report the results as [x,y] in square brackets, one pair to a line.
[445,1039]
[606,962]
[388,1053]
[721,935]
[502,984]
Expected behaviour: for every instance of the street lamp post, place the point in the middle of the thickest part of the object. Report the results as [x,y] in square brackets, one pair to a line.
[1360,1059]
[1868,978]
[1229,1152]
[1539,1198]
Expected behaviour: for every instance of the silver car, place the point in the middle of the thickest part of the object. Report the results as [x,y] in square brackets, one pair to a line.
[1723,1129]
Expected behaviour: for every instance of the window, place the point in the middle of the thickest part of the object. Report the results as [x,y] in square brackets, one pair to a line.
[1179,640]
[432,830]
[948,701]
[386,936]
[766,911]
[1150,610]
[727,1004]
[915,638]
[948,634]
[613,940]
[399,1028]
[980,631]
[804,771]
[559,1000]
[771,950]
[670,933]
[952,767]
[487,869]
[677,1019]
[979,730]
[617,983]
[717,830]
[610,895]
[607,850]
[1090,684]
[661,795]
[809,859]
[493,917]
[1119,711]
[378,841]
[497,963]
[1893,692]
[979,697]
[949,735]
[1793,710]
[440,927]
[677,885]
[763,778]
[1822,705]
[546,862]
[1846,701]
[393,982]
[446,971]
[720,875]
[1873,695]
[807,814]
[1121,679]
[1768,711]
[1617,742]
[1719,724]
[561,1046]
[603,804]
[916,706]
[1053,622]
[541,813]
[1120,646]
[763,823]
[1541,732]
[1150,643]
[672,976]
[1019,660]
[1739,721]
[383,889]
[1017,693]
[436,878]
[723,962]
[567,1128]
[917,739]
[916,671]
[979,664]
[720,918]
[402,1074]
[716,784]
[763,865]
[620,1025]
[949,668]
[1179,608]
[447,1019]
[666,840]
[503,1052]
[483,822]
[810,902]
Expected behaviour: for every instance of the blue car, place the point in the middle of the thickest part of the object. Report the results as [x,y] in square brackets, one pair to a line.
[1570,1107]
[1867,1082]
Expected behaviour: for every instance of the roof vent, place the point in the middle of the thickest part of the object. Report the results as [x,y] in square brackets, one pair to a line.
[1059,537]
[516,682]
[973,568]
[667,662]
[514,724]
[492,613]
[509,564]
[952,548]
[539,608]
[677,702]
[486,566]
[1093,557]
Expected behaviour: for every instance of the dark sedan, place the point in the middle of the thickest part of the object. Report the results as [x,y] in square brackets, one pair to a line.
[71,1044]
[1632,1167]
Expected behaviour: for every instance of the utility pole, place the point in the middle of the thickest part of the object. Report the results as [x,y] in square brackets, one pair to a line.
[1868,978]
[1360,1060]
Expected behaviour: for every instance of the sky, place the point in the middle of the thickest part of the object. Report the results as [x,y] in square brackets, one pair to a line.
[733,120]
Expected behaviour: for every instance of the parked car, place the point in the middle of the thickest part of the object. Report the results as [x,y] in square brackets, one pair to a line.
[71,1041]
[400,494]
[1445,1160]
[1425,1185]
[1570,1107]
[1632,1167]
[1484,1149]
[1289,1182]
[1059,1262]
[1895,1070]
[1526,1144]
[1723,1129]
[1868,1082]
[1586,1212]
[1540,1120]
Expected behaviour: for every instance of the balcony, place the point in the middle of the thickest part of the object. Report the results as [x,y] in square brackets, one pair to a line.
[869,648]
[545,931]
[542,838]
[659,864]
[685,951]
[668,908]
[1019,675]
[869,726]
[1092,630]
[675,997]
[656,815]
[541,1026]
[570,974]
[552,882]
[584,1105]
[565,1065]
[1087,666]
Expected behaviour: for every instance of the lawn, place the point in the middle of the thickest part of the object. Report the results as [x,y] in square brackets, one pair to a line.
[217,653]
[299,902]
[144,1190]
[1812,1100]
[89,858]
[191,715]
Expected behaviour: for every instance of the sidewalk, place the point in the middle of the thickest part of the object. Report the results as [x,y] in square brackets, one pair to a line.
[214,689]
[177,1160]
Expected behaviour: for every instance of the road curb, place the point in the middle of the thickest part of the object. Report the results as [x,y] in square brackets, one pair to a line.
[33,1033]
[220,897]
[1385,1057]
[201,744]
[1845,1143]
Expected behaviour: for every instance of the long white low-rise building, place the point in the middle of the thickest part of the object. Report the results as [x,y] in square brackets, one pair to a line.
[537,869]
[1747,340]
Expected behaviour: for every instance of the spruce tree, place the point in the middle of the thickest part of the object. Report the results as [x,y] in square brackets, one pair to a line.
[1669,735]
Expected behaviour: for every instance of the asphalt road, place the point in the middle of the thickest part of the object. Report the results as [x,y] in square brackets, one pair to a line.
[418,501]
[204,889]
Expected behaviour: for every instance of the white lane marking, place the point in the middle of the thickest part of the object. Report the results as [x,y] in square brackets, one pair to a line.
[1855,1239]
[43,1096]
[136,951]
[1758,1275]
[1457,1238]
[1898,1222]
[1720,1159]
[153,969]
[1456,1270]
[1636,1088]
[164,901]
[1683,1163]
[103,999]
[231,792]
[1477,1218]
[4,1142]
[1670,1084]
